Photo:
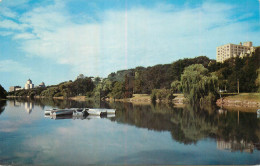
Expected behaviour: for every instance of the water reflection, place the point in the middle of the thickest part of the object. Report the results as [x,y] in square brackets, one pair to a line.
[171,132]
[234,145]
[187,125]
[2,106]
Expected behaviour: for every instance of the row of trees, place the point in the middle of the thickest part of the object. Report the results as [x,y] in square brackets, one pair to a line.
[198,78]
[80,86]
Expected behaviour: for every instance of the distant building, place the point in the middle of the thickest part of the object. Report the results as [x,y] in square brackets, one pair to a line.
[42,85]
[14,88]
[227,51]
[29,85]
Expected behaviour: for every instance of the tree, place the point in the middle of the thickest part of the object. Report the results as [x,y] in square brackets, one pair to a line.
[257,81]
[176,86]
[82,85]
[102,89]
[198,84]
[117,91]
[3,92]
[81,76]
[97,80]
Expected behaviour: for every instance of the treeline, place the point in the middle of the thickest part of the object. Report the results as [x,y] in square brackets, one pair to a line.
[198,78]
[3,93]
[80,86]
[243,70]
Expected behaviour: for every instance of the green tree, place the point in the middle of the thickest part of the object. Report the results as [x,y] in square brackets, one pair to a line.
[117,91]
[198,84]
[3,93]
[257,81]
[176,86]
[82,85]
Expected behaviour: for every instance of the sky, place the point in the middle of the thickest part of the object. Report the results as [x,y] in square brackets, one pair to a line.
[56,40]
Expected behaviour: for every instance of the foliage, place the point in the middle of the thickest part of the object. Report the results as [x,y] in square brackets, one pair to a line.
[50,92]
[176,86]
[3,93]
[198,84]
[117,91]
[238,69]
[158,76]
[161,94]
[81,86]
[153,95]
[257,81]
[101,90]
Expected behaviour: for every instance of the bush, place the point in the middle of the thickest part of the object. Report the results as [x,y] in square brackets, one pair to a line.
[161,94]
[153,95]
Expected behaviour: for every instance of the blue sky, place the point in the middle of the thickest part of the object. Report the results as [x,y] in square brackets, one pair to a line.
[56,40]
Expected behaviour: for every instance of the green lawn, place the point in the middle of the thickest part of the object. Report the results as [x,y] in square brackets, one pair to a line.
[245,96]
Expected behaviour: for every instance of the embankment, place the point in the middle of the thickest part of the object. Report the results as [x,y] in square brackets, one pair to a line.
[244,100]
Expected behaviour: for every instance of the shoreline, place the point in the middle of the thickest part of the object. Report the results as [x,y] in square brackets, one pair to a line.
[226,102]
[242,102]
[178,100]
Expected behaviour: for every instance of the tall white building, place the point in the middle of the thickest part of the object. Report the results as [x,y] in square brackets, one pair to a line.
[227,51]
[29,85]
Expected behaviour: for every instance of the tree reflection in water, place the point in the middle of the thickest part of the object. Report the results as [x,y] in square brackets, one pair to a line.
[232,130]
[190,124]
[2,106]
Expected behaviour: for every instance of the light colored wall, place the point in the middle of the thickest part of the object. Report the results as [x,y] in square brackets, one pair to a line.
[227,51]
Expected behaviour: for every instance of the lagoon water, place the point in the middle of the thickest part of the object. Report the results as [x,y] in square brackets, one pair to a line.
[138,134]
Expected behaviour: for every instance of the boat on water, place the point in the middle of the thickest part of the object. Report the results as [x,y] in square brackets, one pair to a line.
[80,112]
[48,112]
[61,112]
[100,111]
[111,115]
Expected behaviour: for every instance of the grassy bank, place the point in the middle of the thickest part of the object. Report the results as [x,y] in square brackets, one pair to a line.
[243,101]
[252,97]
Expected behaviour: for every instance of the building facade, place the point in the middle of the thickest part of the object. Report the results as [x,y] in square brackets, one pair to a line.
[42,85]
[14,88]
[227,51]
[29,85]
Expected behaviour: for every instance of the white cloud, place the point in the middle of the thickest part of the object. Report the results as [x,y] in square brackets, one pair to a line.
[4,11]
[11,25]
[25,36]
[5,33]
[13,66]
[121,40]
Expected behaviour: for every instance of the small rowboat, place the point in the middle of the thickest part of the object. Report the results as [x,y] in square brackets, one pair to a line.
[79,112]
[100,111]
[61,112]
[48,112]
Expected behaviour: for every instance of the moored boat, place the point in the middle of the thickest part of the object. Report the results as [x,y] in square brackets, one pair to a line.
[101,111]
[48,112]
[61,112]
[94,112]
[80,112]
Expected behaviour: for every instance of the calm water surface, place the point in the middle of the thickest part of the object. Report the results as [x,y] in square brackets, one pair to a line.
[138,134]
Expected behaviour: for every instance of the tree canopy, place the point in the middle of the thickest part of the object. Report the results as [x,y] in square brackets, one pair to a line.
[198,83]
[3,92]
